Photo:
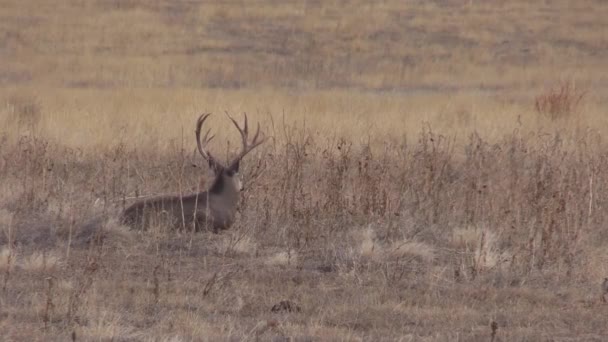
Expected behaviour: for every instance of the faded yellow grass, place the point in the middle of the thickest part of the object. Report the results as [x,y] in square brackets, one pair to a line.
[328,44]
[163,119]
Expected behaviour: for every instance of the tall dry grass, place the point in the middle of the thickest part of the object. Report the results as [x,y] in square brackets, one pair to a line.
[427,216]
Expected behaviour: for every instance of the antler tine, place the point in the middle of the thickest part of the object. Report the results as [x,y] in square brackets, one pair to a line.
[246,129]
[207,138]
[244,132]
[255,141]
[201,143]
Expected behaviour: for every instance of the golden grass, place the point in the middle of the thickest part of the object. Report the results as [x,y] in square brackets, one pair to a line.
[392,45]
[163,119]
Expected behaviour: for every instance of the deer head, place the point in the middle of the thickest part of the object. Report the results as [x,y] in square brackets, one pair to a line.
[226,176]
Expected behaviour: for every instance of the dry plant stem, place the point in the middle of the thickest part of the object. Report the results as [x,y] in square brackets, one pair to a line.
[494,327]
[210,283]
[9,261]
[156,288]
[48,309]
[71,226]
[7,272]
[181,187]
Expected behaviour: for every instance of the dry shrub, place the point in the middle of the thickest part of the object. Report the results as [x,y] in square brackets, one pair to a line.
[560,101]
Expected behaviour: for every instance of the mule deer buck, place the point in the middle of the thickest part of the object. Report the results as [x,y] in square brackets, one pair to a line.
[213,209]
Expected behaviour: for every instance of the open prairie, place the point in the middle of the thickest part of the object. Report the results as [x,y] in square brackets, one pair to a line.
[434,170]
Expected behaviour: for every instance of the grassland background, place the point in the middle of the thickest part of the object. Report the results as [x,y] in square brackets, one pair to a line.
[411,189]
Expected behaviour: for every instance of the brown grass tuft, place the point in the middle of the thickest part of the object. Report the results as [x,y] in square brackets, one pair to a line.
[560,101]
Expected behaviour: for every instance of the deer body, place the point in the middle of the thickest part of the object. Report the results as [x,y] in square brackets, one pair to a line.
[214,209]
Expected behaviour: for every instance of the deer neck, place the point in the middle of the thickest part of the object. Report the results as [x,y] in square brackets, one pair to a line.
[224,189]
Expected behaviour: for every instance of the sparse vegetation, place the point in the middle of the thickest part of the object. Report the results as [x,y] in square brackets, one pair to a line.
[455,206]
[422,225]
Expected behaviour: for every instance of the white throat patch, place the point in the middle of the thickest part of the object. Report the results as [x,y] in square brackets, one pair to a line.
[237,181]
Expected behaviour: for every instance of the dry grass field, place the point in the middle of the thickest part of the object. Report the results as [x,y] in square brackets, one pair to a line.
[435,170]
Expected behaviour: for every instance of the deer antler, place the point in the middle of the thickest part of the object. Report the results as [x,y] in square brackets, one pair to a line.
[202,143]
[247,146]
